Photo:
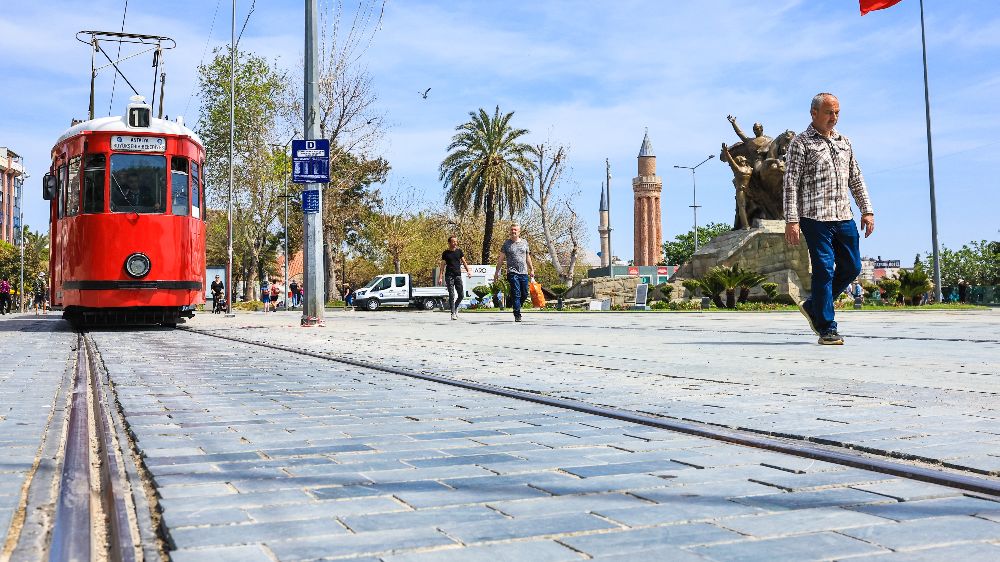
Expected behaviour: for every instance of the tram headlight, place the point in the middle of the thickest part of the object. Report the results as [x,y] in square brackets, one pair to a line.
[137,265]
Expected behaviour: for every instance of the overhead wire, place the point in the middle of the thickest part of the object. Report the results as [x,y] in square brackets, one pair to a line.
[114,81]
[208,41]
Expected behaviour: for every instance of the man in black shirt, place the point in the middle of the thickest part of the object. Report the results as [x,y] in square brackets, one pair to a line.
[452,261]
[218,301]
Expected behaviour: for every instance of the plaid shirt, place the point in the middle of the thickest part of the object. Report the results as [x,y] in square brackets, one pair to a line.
[819,172]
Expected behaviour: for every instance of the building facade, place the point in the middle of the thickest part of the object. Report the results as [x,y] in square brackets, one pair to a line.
[648,226]
[11,183]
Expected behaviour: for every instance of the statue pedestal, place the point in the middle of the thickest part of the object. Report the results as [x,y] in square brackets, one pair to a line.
[761,249]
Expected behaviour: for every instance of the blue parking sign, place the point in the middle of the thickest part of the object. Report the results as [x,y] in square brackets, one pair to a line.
[311,161]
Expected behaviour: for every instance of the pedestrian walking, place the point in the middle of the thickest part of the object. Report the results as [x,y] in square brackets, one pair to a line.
[515,254]
[4,296]
[275,291]
[218,300]
[293,286]
[452,261]
[821,173]
[265,294]
[41,294]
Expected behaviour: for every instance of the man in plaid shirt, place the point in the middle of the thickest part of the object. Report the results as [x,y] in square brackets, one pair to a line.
[820,174]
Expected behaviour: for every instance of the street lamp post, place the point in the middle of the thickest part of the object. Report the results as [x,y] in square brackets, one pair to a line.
[288,171]
[694,196]
[20,224]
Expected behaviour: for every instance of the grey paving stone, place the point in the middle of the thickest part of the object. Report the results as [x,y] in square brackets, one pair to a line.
[665,553]
[279,497]
[833,497]
[243,553]
[535,551]
[816,546]
[922,509]
[567,504]
[525,527]
[676,508]
[209,489]
[328,508]
[375,543]
[617,482]
[770,525]
[640,540]
[924,533]
[968,551]
[193,537]
[909,490]
[421,518]
[647,467]
[222,516]
[461,460]
[435,498]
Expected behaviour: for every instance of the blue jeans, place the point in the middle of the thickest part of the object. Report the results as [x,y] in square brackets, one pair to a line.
[518,291]
[836,262]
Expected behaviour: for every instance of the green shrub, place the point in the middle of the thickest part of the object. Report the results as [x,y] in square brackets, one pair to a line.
[558,290]
[481,291]
[770,289]
[692,286]
[891,288]
[666,289]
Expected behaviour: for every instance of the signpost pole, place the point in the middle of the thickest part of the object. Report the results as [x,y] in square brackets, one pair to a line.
[313,303]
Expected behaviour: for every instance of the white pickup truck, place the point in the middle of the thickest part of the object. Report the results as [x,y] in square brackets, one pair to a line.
[395,289]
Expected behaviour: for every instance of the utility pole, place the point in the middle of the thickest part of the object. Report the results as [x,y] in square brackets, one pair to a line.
[611,248]
[232,143]
[930,161]
[313,305]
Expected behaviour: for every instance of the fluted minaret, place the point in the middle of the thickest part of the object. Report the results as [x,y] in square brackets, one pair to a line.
[604,229]
[646,188]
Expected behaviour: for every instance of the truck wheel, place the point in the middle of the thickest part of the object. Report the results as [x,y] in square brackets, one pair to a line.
[371,304]
[427,304]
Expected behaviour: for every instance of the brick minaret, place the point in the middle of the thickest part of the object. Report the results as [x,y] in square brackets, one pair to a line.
[604,229]
[646,187]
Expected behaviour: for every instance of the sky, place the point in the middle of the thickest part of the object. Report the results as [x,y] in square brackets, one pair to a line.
[592,76]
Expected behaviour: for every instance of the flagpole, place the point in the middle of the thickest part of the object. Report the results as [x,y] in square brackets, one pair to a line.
[930,161]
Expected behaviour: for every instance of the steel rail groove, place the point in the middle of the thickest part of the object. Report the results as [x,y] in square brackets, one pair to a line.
[984,486]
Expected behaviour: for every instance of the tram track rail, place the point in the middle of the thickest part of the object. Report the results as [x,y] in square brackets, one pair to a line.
[789,445]
[94,518]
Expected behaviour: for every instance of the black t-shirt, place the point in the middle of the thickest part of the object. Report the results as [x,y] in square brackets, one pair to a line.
[217,286]
[453,261]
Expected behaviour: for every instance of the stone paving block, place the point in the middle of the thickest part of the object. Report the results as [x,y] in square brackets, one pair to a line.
[438,472]
[535,551]
[924,533]
[222,516]
[196,490]
[646,467]
[922,509]
[525,527]
[279,497]
[326,508]
[822,480]
[617,482]
[345,471]
[460,460]
[673,507]
[833,497]
[640,540]
[967,551]
[567,504]
[420,518]
[201,459]
[193,537]
[423,499]
[244,553]
[770,525]
[664,553]
[909,490]
[375,543]
[816,546]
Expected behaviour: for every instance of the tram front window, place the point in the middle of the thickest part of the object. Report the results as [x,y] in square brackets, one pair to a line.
[138,183]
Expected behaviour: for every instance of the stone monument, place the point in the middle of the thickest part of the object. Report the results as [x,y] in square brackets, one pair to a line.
[758,165]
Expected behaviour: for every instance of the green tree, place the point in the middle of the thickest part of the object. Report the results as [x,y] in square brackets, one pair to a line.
[977,262]
[681,249]
[258,169]
[487,169]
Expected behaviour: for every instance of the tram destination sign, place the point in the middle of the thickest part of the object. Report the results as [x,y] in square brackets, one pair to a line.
[311,161]
[128,143]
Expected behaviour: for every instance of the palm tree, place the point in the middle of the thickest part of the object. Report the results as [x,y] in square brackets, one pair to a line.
[487,169]
[748,280]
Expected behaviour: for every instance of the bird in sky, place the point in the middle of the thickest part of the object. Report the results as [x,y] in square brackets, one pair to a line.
[424,93]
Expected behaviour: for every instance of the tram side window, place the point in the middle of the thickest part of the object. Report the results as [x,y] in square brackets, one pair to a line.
[138,183]
[73,188]
[195,190]
[179,180]
[62,191]
[93,182]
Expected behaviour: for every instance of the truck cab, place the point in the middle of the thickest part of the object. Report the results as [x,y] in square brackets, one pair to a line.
[396,289]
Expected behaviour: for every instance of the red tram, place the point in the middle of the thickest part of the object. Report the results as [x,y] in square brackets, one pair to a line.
[127,220]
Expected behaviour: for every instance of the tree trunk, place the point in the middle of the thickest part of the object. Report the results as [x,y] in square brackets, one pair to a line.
[717,300]
[397,263]
[331,291]
[744,294]
[488,230]
[553,256]
[731,298]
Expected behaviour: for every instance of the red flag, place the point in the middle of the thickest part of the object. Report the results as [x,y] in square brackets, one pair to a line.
[872,5]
